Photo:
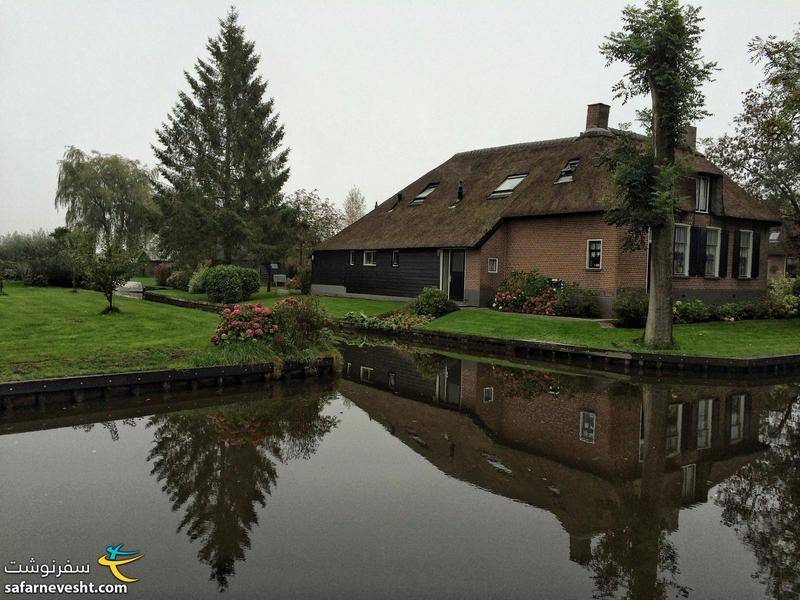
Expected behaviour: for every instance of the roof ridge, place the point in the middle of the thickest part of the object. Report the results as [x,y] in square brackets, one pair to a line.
[541,143]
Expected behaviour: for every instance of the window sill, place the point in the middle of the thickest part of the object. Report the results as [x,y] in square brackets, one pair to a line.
[712,277]
[679,276]
[369,265]
[591,270]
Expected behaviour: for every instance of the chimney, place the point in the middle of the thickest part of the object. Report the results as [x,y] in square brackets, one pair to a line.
[460,190]
[597,116]
[690,137]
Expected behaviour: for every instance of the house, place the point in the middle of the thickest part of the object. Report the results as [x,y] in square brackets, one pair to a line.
[468,223]
[782,256]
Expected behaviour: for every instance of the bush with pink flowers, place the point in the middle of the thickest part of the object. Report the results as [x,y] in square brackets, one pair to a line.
[251,323]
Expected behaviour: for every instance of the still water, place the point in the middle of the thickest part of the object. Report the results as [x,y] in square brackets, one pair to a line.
[416,475]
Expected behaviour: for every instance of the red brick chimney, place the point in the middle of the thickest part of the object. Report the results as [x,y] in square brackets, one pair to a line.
[690,137]
[597,116]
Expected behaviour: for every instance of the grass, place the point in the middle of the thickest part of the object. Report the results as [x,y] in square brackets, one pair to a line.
[336,306]
[721,339]
[145,281]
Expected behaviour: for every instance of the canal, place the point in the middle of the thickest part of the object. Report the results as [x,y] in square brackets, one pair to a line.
[415,474]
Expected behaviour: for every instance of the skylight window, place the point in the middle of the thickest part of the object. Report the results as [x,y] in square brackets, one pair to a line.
[420,198]
[508,186]
[568,170]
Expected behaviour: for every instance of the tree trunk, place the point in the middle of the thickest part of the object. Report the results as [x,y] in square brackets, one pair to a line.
[269,277]
[658,330]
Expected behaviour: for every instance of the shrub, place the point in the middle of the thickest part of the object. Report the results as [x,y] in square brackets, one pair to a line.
[303,281]
[795,285]
[37,258]
[301,327]
[530,283]
[179,280]
[229,283]
[691,311]
[630,308]
[197,282]
[781,301]
[574,301]
[740,311]
[433,303]
[395,321]
[161,272]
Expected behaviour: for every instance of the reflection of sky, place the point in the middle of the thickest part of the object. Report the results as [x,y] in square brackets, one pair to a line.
[365,516]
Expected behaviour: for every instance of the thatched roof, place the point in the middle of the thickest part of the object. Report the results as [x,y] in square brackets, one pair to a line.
[444,221]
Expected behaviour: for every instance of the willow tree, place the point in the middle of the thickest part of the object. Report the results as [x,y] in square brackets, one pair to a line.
[660,43]
[108,198]
[221,159]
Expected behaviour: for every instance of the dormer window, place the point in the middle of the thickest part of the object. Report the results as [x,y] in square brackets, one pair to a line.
[420,198]
[702,193]
[566,173]
[508,186]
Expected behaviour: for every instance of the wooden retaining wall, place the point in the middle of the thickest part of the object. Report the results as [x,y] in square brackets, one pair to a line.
[38,393]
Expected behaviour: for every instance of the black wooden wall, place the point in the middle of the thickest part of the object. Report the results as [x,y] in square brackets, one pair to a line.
[418,269]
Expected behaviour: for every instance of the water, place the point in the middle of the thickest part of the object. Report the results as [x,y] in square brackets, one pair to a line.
[417,475]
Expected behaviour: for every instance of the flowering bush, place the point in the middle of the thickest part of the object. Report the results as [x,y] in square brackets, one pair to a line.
[302,326]
[246,323]
[179,280]
[161,272]
[530,283]
[517,301]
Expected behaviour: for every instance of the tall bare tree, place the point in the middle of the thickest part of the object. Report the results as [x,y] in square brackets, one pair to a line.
[354,206]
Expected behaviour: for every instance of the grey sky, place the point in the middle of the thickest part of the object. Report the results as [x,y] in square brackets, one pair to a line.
[371,93]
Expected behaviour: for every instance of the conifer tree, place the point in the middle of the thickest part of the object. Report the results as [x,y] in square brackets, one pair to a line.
[221,158]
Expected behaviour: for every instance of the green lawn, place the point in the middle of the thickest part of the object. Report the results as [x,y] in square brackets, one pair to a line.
[336,306]
[262,297]
[145,281]
[51,332]
[740,339]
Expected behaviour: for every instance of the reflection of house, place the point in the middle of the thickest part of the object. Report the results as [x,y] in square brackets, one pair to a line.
[569,444]
[468,223]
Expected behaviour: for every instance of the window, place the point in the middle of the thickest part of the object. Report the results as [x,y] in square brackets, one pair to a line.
[674,425]
[704,414]
[508,186]
[395,258]
[689,480]
[703,188]
[774,235]
[587,430]
[594,254]
[791,267]
[348,369]
[423,195]
[569,169]
[745,257]
[488,394]
[680,250]
[392,381]
[352,257]
[366,374]
[492,265]
[369,258]
[712,252]
[737,418]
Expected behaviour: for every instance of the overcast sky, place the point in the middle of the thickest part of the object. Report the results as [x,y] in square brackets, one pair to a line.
[372,93]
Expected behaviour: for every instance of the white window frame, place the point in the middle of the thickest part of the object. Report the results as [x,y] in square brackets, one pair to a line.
[585,414]
[352,257]
[397,263]
[392,380]
[716,257]
[489,265]
[423,195]
[588,243]
[374,262]
[685,271]
[365,374]
[500,192]
[688,480]
[488,394]
[749,270]
[348,369]
[700,179]
[678,429]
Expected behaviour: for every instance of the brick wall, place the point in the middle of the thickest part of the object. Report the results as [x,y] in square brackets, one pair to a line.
[556,247]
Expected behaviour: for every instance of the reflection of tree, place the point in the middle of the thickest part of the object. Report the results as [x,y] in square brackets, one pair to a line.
[110,425]
[762,503]
[217,464]
[635,553]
